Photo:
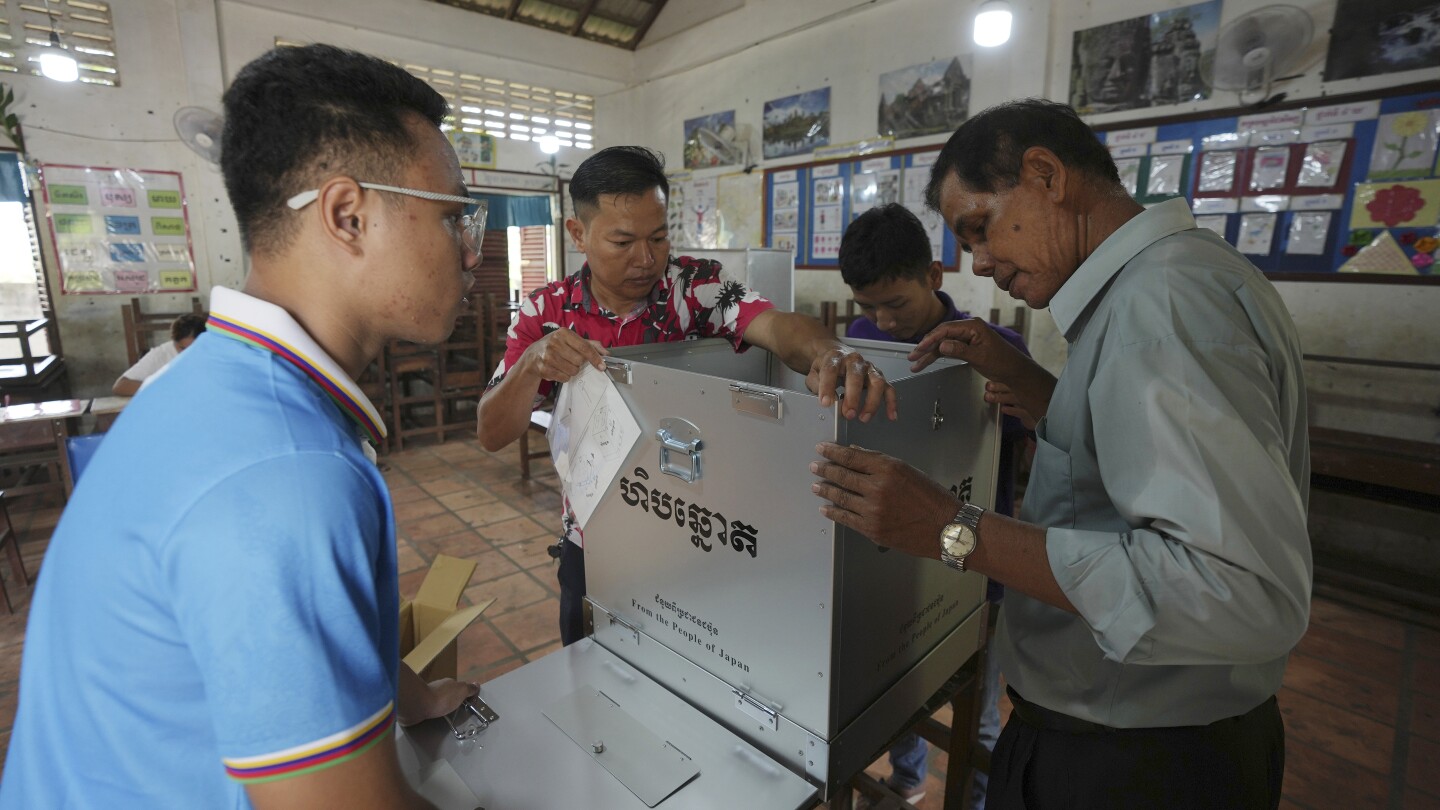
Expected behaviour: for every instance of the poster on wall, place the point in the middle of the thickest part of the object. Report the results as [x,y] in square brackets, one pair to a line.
[913,197]
[924,99]
[1371,37]
[712,140]
[872,190]
[797,124]
[119,230]
[738,203]
[1143,61]
[1405,145]
[476,150]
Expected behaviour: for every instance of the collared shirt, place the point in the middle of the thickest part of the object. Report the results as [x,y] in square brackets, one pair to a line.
[1172,475]
[220,600]
[695,298]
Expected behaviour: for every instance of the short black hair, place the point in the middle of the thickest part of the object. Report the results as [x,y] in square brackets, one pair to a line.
[189,325]
[985,152]
[296,117]
[617,170]
[882,244]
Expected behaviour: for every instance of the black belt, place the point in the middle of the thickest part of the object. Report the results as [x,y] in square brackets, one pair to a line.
[1050,720]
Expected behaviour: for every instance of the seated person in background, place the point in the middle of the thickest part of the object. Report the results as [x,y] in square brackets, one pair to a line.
[183,332]
[885,258]
[632,291]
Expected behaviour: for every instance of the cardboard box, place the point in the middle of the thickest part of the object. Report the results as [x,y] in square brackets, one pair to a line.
[430,625]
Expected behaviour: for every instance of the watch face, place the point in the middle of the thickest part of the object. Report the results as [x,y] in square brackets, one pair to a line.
[958,540]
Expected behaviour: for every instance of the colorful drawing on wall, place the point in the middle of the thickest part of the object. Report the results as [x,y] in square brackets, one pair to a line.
[797,124]
[476,150]
[1383,36]
[924,99]
[1396,205]
[1180,40]
[1382,255]
[1405,145]
[712,140]
[1143,61]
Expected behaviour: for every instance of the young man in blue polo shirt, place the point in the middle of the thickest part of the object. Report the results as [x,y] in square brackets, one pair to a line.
[886,260]
[225,634]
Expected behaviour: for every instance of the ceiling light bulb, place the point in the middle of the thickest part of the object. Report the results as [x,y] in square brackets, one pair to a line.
[59,66]
[992,24]
[549,144]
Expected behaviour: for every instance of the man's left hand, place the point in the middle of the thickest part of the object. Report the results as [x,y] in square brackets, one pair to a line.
[866,388]
[441,698]
[883,498]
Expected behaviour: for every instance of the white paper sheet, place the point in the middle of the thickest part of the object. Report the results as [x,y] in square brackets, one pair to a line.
[590,437]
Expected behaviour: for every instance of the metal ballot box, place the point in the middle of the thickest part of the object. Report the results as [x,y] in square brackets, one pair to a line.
[710,568]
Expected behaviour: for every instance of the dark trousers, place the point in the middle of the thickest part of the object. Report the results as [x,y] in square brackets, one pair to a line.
[572,592]
[1043,762]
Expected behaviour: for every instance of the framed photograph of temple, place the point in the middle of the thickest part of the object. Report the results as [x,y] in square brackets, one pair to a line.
[924,99]
[797,124]
[1110,67]
[1144,61]
[1181,40]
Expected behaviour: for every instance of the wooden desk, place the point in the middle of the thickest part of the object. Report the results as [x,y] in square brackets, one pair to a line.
[33,435]
[105,410]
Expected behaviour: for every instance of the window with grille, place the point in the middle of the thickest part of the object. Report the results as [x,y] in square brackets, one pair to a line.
[84,27]
[519,111]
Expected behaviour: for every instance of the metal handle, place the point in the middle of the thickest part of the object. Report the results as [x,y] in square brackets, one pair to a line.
[678,436]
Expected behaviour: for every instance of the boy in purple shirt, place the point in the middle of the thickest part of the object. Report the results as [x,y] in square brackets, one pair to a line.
[886,260]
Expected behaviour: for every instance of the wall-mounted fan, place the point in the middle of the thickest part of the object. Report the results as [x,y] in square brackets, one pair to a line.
[199,129]
[1257,49]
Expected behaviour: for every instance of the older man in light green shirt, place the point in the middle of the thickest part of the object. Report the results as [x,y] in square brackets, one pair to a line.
[1160,572]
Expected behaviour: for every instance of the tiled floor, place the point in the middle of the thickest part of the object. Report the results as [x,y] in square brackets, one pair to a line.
[1361,698]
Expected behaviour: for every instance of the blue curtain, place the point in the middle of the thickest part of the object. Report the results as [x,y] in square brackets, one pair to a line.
[506,210]
[12,188]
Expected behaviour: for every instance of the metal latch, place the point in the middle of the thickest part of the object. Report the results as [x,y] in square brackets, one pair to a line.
[619,370]
[937,417]
[473,717]
[755,710]
[627,629]
[678,436]
[761,402]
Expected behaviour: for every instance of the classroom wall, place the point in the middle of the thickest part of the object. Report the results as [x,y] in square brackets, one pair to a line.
[180,52]
[769,50]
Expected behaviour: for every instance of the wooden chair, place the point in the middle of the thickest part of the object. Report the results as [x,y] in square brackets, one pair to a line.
[10,542]
[141,326]
[829,315]
[416,405]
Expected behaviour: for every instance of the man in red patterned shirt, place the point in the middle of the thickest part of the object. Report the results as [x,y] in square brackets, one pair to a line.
[632,291]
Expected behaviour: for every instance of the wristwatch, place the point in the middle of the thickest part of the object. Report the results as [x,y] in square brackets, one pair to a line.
[959,537]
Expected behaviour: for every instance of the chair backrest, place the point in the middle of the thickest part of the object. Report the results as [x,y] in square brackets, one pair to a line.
[141,326]
[81,449]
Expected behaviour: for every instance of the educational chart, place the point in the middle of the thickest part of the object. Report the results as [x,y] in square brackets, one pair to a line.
[590,435]
[809,206]
[118,230]
[1351,187]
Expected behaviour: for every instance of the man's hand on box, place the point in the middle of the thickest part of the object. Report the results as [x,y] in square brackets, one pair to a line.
[420,701]
[866,389]
[883,498]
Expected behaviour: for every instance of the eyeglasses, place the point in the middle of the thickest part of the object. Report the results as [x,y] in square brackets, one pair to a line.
[472,226]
